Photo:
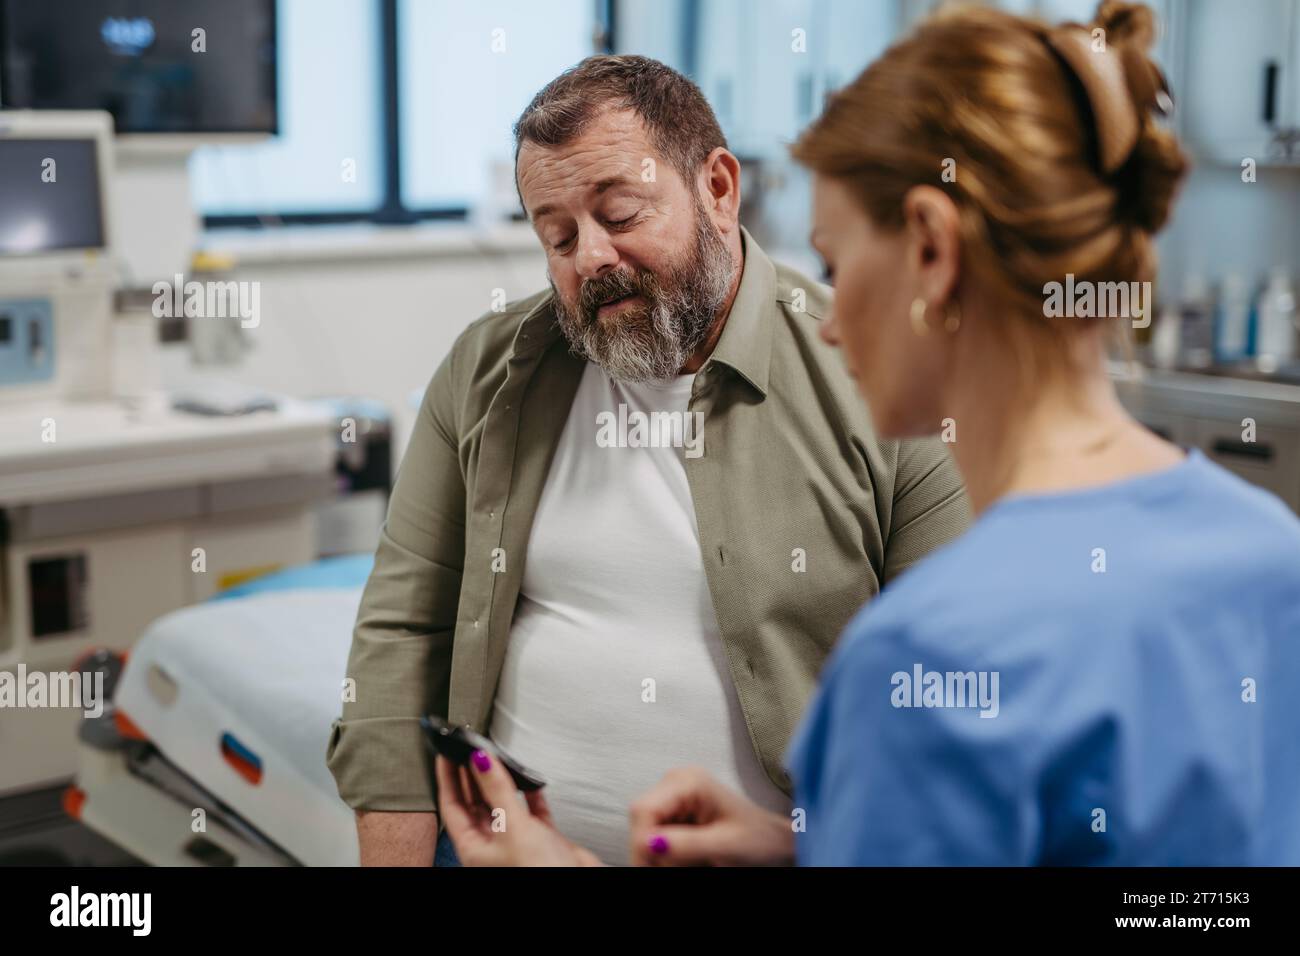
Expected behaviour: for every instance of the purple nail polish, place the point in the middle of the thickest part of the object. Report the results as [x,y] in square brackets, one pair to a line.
[482,761]
[658,845]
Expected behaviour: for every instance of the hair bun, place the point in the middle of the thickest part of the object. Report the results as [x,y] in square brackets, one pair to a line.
[1124,88]
[1126,23]
[1149,177]
[1101,71]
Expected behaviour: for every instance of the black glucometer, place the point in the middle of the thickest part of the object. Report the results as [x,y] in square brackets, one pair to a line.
[458,744]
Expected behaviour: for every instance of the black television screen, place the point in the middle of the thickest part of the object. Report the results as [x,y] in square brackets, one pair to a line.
[49,191]
[143,61]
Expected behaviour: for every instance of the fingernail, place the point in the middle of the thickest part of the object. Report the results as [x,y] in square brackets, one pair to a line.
[482,761]
[658,845]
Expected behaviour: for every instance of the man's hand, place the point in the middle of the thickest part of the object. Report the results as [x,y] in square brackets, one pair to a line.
[689,819]
[396,839]
[492,825]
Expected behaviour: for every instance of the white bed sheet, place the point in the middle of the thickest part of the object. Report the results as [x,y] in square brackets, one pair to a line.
[268,669]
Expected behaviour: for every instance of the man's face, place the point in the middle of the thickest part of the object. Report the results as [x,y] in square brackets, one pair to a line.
[638,267]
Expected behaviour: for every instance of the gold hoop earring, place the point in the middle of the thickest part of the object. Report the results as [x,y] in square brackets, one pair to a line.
[952,317]
[917,317]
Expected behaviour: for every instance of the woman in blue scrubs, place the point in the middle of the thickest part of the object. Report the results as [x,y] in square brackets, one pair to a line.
[1106,668]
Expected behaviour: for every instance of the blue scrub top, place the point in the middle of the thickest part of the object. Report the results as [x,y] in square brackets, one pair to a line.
[1104,676]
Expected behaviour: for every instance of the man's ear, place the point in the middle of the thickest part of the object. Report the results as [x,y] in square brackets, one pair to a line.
[933,222]
[719,188]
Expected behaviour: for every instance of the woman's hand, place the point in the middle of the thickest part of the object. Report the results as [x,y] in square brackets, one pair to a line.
[689,819]
[492,825]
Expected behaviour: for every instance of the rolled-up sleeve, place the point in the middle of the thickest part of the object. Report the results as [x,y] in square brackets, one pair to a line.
[402,643]
[930,506]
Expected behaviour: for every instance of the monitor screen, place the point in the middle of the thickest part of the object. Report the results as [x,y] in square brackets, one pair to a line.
[144,62]
[49,191]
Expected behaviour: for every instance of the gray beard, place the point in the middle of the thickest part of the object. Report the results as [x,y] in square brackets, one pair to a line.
[652,341]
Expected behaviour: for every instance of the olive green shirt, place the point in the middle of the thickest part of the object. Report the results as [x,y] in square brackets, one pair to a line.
[803,515]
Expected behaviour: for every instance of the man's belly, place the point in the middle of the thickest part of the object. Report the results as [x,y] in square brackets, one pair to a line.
[602,716]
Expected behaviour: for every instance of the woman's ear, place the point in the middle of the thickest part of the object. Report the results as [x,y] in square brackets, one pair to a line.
[932,223]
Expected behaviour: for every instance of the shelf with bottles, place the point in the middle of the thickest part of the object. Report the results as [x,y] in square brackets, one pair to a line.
[1237,326]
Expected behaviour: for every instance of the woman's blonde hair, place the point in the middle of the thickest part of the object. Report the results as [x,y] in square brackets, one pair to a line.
[1057,162]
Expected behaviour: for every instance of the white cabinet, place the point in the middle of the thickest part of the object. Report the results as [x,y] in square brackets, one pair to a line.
[1212,414]
[720,32]
[1241,80]
[1271,459]
[767,66]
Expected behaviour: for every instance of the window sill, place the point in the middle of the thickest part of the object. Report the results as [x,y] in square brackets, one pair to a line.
[307,244]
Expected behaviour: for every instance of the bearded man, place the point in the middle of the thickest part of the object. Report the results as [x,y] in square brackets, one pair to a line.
[607,610]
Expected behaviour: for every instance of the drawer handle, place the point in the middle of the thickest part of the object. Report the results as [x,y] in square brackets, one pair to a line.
[1270,92]
[1243,449]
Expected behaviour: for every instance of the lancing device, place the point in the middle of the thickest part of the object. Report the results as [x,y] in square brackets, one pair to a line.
[458,744]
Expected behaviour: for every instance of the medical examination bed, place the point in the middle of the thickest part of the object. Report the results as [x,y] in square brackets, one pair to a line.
[213,752]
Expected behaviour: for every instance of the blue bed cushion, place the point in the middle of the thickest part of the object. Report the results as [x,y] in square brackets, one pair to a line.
[344,571]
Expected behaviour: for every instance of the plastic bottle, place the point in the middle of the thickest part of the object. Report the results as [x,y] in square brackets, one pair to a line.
[1198,322]
[1232,319]
[1166,338]
[1275,342]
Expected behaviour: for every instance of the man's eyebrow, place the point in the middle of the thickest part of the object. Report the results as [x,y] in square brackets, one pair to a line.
[599,189]
[607,184]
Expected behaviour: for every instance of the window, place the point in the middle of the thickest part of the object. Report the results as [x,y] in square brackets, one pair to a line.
[393,110]
[466,72]
[328,156]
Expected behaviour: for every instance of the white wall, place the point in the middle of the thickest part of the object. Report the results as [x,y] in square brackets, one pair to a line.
[360,314]
[1221,225]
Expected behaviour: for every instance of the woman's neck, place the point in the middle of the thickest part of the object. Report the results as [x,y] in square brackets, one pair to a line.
[1063,433]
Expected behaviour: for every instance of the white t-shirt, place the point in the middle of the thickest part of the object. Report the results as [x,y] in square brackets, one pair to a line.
[615,672]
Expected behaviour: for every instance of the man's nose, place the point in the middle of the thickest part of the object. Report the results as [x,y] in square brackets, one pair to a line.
[596,254]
